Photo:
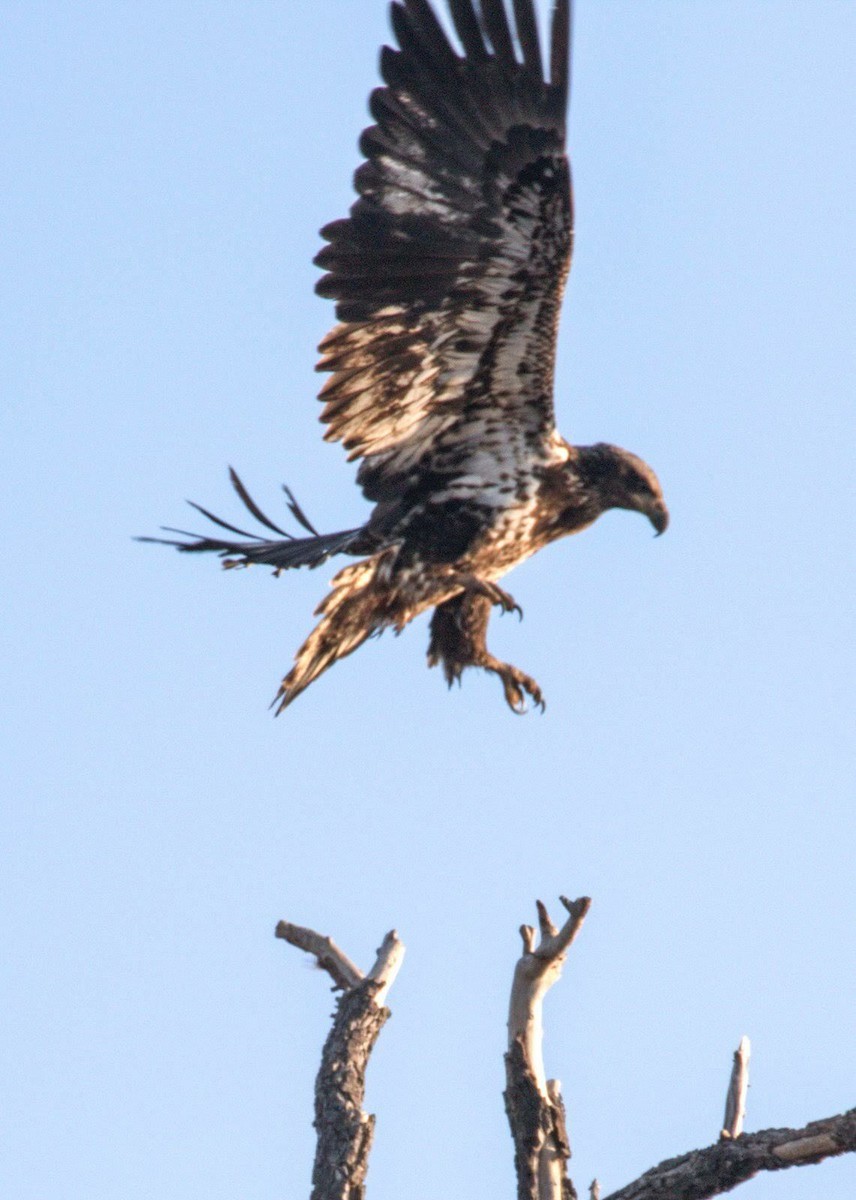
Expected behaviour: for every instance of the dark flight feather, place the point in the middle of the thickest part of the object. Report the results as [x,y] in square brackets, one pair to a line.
[496,24]
[425,20]
[560,52]
[527,33]
[467,26]
[251,504]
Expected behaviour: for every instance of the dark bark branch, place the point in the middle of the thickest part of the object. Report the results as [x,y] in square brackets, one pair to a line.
[541,1145]
[534,1105]
[721,1167]
[345,1131]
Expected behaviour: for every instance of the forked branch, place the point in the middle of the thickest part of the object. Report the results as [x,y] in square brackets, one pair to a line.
[534,1105]
[345,1131]
[536,1112]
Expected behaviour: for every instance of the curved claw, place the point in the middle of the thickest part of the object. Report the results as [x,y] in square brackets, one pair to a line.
[517,686]
[491,591]
[458,630]
[514,697]
[504,601]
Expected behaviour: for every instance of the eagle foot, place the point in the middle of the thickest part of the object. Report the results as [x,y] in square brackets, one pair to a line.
[458,633]
[517,685]
[473,586]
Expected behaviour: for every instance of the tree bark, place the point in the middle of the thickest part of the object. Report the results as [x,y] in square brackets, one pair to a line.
[345,1131]
[721,1167]
[536,1112]
[533,1103]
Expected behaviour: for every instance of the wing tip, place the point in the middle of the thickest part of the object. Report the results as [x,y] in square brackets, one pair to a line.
[560,48]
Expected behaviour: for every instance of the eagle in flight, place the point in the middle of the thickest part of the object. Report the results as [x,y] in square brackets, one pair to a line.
[448,277]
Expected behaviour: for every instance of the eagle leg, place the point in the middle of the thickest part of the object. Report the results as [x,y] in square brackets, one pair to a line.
[458,640]
[474,586]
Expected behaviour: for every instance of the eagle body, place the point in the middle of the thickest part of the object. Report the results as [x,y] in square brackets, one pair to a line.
[448,276]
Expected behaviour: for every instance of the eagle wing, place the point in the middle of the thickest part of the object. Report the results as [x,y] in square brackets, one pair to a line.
[449,272]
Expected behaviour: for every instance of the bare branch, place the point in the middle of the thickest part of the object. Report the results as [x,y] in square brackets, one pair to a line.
[533,1103]
[345,1131]
[735,1101]
[328,955]
[721,1167]
[390,956]
[538,968]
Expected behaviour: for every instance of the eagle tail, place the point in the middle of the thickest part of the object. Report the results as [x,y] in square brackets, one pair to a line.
[352,611]
[282,554]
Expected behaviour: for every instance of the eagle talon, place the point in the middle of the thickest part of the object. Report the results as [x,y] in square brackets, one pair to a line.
[473,586]
[514,696]
[517,685]
[458,630]
[505,601]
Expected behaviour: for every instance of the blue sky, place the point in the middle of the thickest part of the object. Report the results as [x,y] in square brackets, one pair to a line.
[166,168]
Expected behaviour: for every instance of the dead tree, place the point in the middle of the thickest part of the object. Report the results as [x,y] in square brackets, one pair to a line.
[533,1102]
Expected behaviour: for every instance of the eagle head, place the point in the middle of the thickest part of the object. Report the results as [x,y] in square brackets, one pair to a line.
[623,480]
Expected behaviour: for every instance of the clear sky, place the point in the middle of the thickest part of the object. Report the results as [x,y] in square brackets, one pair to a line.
[165,170]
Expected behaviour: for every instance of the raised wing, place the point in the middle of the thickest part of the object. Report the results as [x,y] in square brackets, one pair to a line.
[449,272]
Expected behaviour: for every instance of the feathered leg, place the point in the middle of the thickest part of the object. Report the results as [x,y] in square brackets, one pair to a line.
[458,640]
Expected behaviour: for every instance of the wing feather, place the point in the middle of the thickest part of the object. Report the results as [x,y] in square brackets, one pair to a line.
[527,32]
[421,19]
[560,51]
[496,24]
[449,271]
[468,30]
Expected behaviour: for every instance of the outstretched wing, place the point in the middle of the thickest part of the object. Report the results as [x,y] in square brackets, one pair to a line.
[449,272]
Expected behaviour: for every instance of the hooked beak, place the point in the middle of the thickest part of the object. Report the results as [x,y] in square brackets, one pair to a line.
[658,515]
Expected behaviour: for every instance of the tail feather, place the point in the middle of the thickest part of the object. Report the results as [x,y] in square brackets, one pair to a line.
[360,604]
[293,552]
[350,613]
[282,555]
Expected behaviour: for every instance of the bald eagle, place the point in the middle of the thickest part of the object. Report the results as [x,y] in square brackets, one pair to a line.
[448,277]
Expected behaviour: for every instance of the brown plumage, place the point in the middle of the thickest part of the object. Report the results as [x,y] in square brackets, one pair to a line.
[448,277]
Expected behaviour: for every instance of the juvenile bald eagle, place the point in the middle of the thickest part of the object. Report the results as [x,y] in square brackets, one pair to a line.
[448,277]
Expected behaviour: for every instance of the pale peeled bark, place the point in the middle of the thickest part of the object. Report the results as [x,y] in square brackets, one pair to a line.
[735,1101]
[533,1102]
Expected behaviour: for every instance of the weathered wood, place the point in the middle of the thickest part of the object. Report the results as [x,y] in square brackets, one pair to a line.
[735,1101]
[345,1131]
[536,1112]
[534,1105]
[327,954]
[730,1162]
